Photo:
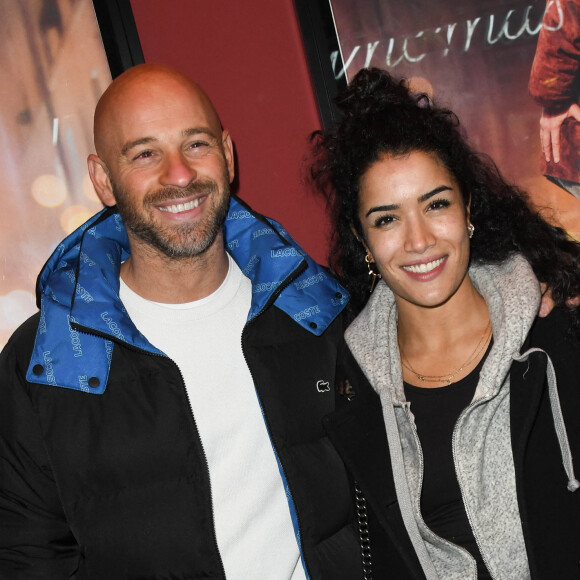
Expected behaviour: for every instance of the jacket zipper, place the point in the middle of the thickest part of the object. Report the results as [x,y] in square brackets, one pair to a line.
[206,463]
[292,276]
[269,302]
[467,510]
[418,509]
[214,533]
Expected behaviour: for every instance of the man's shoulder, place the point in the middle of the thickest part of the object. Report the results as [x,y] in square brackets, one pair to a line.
[25,333]
[20,345]
[555,329]
[556,336]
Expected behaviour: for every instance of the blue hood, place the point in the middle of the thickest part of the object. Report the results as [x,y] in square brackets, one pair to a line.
[81,313]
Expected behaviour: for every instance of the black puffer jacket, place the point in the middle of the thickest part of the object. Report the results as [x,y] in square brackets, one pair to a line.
[106,479]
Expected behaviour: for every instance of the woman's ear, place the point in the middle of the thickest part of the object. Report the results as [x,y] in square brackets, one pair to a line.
[359,238]
[468,209]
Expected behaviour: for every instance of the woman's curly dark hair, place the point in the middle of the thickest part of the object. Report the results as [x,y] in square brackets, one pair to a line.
[381,116]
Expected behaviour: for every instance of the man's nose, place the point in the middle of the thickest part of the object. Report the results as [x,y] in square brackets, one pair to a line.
[177,171]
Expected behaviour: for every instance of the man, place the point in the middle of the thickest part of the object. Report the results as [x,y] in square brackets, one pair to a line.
[132,442]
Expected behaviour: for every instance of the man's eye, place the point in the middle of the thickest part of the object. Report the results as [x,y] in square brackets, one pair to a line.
[144,154]
[198,145]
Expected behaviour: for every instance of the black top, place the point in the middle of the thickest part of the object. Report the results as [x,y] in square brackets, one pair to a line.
[436,411]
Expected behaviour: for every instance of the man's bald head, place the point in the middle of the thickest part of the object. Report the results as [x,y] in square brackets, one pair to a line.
[156,128]
[144,88]
[164,160]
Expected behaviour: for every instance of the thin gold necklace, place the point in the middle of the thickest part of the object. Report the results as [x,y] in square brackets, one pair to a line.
[448,378]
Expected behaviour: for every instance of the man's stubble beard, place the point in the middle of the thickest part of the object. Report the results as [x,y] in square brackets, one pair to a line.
[181,240]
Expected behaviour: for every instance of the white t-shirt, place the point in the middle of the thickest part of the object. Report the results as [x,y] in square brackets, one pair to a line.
[254,530]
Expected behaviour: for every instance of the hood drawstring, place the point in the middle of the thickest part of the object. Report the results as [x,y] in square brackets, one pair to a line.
[559,425]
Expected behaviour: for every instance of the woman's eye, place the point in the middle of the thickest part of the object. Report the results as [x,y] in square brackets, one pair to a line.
[384,220]
[439,204]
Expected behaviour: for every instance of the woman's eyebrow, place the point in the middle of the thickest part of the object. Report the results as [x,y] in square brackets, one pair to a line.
[420,199]
[433,192]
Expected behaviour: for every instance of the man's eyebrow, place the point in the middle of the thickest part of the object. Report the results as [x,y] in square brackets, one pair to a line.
[420,199]
[198,131]
[143,141]
[185,133]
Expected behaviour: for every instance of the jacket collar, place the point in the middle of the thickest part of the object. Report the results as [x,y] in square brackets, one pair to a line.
[512,294]
[81,313]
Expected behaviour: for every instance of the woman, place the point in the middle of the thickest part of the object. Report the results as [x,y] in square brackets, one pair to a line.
[456,430]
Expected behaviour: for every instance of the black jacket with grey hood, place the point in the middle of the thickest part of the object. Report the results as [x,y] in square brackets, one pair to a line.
[512,446]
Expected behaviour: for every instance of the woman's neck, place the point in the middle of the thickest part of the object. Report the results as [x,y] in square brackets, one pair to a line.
[444,341]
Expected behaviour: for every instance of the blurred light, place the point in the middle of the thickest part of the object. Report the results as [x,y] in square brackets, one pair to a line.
[48,190]
[74,216]
[15,308]
[55,131]
[88,189]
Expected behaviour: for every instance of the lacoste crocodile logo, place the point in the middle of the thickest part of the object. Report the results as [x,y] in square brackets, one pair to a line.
[323,386]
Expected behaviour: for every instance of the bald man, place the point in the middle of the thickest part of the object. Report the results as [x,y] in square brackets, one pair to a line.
[160,417]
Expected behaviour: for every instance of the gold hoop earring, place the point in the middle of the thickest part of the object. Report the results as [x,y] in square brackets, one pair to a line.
[375,276]
[470,230]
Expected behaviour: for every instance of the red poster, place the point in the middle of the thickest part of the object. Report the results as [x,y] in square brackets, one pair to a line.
[476,57]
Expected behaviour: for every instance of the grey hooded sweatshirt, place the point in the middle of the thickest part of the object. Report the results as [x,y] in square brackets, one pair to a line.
[482,449]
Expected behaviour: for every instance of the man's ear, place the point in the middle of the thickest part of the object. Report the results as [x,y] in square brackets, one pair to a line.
[99,175]
[228,148]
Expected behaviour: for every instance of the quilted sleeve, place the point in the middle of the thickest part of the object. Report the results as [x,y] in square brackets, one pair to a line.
[35,539]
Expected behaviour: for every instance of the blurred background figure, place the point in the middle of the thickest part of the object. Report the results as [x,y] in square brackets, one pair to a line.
[555,86]
[53,69]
